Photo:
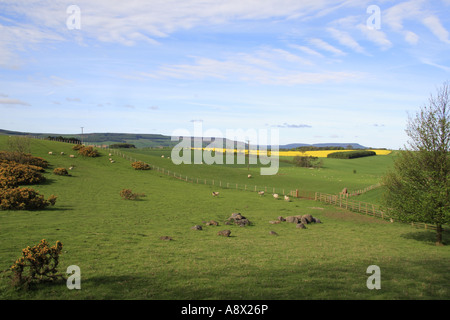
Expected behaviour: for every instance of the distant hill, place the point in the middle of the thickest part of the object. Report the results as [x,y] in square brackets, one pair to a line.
[153,140]
[322,145]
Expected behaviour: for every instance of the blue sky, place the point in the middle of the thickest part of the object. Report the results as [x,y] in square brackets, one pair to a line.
[314,70]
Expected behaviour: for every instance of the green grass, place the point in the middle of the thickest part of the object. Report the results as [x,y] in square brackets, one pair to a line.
[117,247]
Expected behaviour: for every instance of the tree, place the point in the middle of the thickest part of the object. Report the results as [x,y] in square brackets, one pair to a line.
[417,189]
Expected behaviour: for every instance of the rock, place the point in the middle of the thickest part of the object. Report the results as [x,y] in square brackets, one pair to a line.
[197,227]
[308,217]
[273,233]
[303,220]
[280,218]
[317,220]
[225,233]
[301,226]
[166,238]
[292,219]
[212,223]
[242,222]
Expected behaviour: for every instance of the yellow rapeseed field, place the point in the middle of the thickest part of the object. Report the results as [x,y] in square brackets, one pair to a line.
[317,153]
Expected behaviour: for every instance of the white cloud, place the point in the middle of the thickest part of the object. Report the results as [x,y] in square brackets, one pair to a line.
[411,37]
[265,66]
[320,44]
[345,39]
[376,36]
[434,24]
[14,102]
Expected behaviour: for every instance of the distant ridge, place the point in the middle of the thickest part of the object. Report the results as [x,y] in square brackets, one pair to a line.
[322,145]
[155,140]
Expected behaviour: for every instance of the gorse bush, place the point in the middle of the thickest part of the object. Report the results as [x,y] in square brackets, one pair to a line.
[351,154]
[37,264]
[13,174]
[23,158]
[77,147]
[88,152]
[139,165]
[24,199]
[61,172]
[127,194]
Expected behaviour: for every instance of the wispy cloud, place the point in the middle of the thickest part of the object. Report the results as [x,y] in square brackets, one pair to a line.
[322,45]
[434,24]
[287,125]
[12,102]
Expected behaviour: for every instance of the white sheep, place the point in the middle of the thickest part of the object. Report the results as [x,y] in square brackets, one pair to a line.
[70,168]
[72,156]
[249,175]
[50,152]
[261,193]
[112,161]
[287,198]
[215,194]
[275,195]
[62,153]
[110,154]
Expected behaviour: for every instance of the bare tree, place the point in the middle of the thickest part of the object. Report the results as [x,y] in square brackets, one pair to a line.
[18,144]
[417,189]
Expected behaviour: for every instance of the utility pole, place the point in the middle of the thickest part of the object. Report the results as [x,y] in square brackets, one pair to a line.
[82,135]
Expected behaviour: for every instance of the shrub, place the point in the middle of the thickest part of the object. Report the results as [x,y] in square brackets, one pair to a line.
[139,165]
[61,172]
[307,162]
[88,152]
[13,174]
[37,264]
[23,158]
[77,147]
[122,145]
[127,194]
[351,154]
[23,199]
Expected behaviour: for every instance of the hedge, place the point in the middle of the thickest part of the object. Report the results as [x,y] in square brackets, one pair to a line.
[351,154]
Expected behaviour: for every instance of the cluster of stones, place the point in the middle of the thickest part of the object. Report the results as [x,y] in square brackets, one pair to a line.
[301,220]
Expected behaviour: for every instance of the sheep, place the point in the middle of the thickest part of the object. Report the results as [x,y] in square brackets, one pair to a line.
[287,198]
[62,153]
[261,193]
[50,152]
[275,195]
[215,194]
[110,154]
[249,176]
[162,156]
[72,156]
[112,161]
[70,168]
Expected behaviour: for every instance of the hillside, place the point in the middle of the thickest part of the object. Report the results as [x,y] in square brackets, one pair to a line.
[116,243]
[152,140]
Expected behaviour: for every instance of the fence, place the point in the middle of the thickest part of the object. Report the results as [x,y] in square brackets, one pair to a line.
[341,200]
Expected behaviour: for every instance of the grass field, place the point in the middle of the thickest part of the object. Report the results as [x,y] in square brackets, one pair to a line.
[116,243]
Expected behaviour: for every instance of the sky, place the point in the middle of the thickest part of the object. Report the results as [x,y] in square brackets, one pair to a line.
[317,71]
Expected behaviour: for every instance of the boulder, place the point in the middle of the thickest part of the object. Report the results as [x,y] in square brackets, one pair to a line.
[280,218]
[309,218]
[167,238]
[273,233]
[212,223]
[197,227]
[301,226]
[224,233]
[292,219]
